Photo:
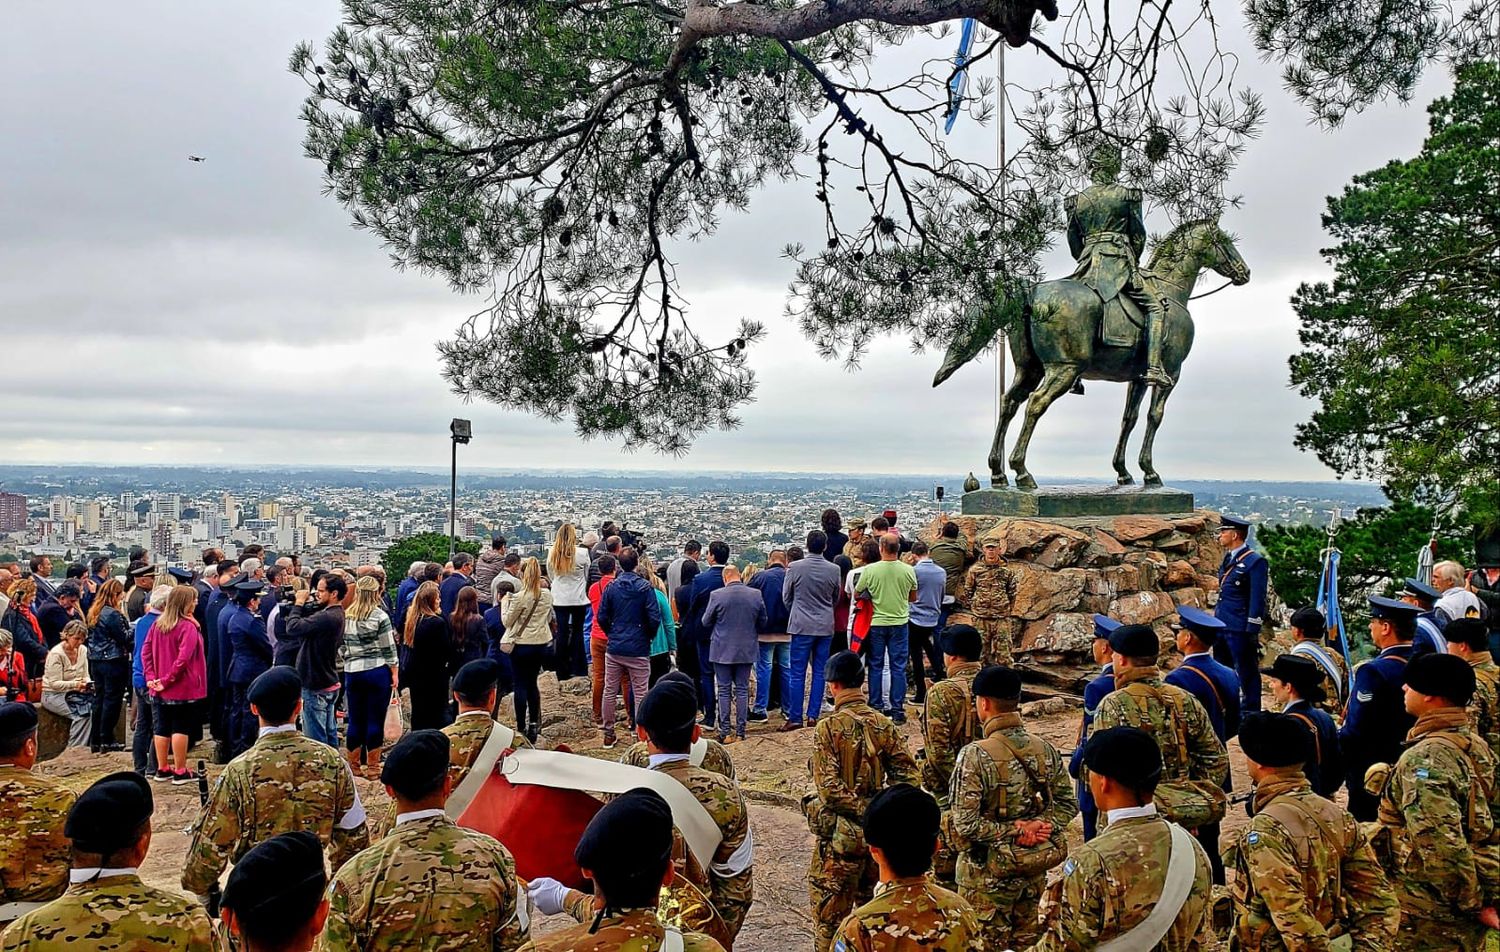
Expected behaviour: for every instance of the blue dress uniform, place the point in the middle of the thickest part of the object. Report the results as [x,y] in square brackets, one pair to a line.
[1429,637]
[1243,575]
[1326,770]
[250,657]
[1217,688]
[1376,722]
[1093,692]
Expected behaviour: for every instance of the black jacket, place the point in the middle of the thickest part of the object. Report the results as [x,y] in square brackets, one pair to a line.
[27,640]
[321,633]
[111,638]
[53,618]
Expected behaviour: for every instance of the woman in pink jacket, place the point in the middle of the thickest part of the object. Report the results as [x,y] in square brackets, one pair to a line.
[177,677]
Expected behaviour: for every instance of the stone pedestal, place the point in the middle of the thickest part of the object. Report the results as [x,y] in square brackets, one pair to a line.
[1066,502]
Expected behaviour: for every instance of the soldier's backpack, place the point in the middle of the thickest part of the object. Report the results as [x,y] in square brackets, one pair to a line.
[1013,859]
[845,836]
[1190,803]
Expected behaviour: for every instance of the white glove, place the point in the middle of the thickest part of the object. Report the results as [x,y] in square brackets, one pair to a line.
[547,895]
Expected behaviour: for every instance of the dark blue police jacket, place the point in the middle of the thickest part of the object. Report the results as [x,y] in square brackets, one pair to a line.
[1216,687]
[1242,591]
[1376,722]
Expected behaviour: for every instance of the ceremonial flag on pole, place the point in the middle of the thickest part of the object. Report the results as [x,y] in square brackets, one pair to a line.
[959,84]
[1328,604]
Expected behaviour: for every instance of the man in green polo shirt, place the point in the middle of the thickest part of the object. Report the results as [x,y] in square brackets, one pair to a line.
[892,586]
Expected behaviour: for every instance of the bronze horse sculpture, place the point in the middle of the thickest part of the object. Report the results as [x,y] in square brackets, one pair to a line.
[1057,342]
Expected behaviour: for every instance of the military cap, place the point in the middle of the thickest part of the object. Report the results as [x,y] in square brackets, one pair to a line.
[1441,675]
[277,688]
[105,817]
[1310,620]
[1236,523]
[1421,589]
[417,764]
[998,683]
[1135,641]
[859,524]
[1128,755]
[635,826]
[1200,623]
[17,720]
[1470,632]
[962,641]
[845,668]
[1275,740]
[477,678]
[990,543]
[900,813]
[249,587]
[140,571]
[1392,609]
[1104,626]
[1301,673]
[669,706]
[180,574]
[681,677]
[890,516]
[280,880]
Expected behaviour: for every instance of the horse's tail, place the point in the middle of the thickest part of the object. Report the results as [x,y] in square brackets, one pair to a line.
[1009,313]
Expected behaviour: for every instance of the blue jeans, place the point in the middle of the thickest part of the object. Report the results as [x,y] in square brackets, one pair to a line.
[888,639]
[806,650]
[317,716]
[367,697]
[781,655]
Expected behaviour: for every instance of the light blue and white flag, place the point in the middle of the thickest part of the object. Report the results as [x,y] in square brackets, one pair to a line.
[958,86]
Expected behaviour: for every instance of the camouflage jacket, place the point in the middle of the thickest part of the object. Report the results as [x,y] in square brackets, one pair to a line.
[857,752]
[1113,881]
[910,915]
[466,736]
[431,886]
[988,590]
[683,906]
[34,853]
[953,557]
[948,724]
[990,795]
[285,782]
[720,796]
[1438,807]
[114,914]
[1484,708]
[1306,873]
[629,930]
[1190,750]
[716,758]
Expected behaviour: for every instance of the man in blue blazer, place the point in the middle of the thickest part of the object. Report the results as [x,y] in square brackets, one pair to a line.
[1243,575]
[1217,688]
[1093,693]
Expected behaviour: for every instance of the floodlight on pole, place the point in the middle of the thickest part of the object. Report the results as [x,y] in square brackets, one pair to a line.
[462,431]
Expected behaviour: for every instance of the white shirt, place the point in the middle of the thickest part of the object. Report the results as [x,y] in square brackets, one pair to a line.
[1130,813]
[278,729]
[656,760]
[91,873]
[418,815]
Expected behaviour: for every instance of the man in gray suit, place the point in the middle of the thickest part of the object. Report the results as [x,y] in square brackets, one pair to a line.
[733,619]
[810,591]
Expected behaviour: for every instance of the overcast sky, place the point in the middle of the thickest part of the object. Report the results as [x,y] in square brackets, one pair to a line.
[157,310]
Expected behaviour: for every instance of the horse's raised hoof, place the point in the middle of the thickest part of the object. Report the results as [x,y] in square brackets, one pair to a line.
[1125,479]
[1025,481]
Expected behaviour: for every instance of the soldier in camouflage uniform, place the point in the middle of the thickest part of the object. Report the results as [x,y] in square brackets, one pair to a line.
[949,723]
[474,689]
[1469,639]
[1194,760]
[706,752]
[1437,810]
[1012,801]
[430,884]
[108,907]
[1304,870]
[274,899]
[667,721]
[909,912]
[1113,882]
[857,752]
[627,851]
[285,782]
[33,850]
[681,905]
[987,592]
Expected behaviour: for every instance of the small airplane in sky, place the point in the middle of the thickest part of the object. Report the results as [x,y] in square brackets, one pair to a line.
[196,158]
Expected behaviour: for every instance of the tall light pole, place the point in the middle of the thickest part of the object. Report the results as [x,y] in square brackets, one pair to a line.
[462,431]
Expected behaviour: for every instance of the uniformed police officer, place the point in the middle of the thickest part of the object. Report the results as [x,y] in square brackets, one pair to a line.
[33,808]
[909,911]
[1376,721]
[988,590]
[627,851]
[275,899]
[1243,577]
[110,826]
[1217,688]
[1304,872]
[285,782]
[706,752]
[1297,685]
[1113,883]
[1468,638]
[950,723]
[430,884]
[1310,640]
[249,657]
[1093,692]
[1429,636]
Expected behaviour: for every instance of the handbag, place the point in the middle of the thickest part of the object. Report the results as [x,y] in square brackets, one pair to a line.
[509,646]
[394,727]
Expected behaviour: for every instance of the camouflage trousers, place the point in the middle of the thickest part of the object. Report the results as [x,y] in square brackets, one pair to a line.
[996,635]
[1432,935]
[1007,910]
[732,911]
[837,885]
[945,861]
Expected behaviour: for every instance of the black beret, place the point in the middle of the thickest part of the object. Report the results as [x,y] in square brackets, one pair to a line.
[1441,675]
[279,688]
[632,829]
[1135,641]
[1275,740]
[998,683]
[17,720]
[1297,671]
[1470,632]
[681,677]
[105,817]
[671,705]
[962,641]
[280,879]
[417,764]
[844,668]
[477,678]
[1124,754]
[1310,620]
[901,813]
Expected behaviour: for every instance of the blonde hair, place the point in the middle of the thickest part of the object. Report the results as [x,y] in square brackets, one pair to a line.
[564,555]
[180,602]
[366,598]
[531,577]
[108,596]
[75,628]
[749,572]
[424,604]
[23,593]
[647,571]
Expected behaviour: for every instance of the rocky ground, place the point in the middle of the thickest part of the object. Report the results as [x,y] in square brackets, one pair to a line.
[773,772]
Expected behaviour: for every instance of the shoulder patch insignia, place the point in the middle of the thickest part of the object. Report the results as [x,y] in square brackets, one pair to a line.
[1422,773]
[1252,837]
[839,945]
[1068,867]
[1365,696]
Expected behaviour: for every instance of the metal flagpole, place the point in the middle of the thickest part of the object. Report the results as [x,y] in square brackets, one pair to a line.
[1000,344]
